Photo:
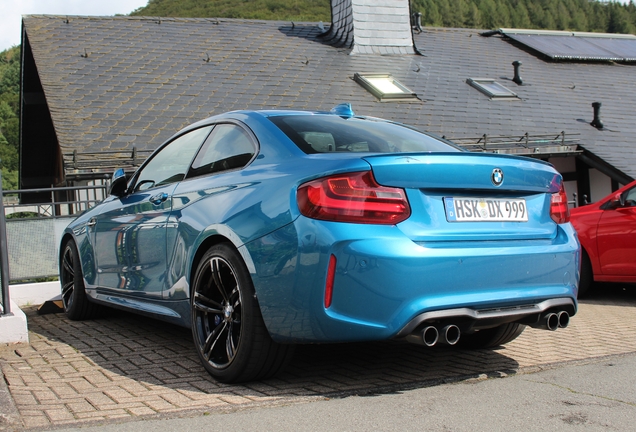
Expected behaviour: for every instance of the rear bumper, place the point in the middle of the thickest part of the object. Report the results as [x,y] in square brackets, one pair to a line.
[469,320]
[386,285]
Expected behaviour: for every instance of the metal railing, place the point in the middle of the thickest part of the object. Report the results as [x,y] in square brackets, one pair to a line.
[4,261]
[104,161]
[29,242]
[525,144]
[62,201]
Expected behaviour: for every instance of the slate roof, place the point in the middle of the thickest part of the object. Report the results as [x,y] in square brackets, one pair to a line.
[117,82]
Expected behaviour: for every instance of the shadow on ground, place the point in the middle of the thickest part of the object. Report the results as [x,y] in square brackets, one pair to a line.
[602,293]
[156,353]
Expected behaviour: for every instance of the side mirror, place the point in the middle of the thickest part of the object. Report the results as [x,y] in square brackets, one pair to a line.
[617,201]
[118,183]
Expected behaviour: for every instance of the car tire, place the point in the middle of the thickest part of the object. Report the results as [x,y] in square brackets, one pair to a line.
[76,304]
[492,337]
[587,276]
[227,326]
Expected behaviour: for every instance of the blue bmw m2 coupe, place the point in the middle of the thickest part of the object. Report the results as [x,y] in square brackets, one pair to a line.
[264,229]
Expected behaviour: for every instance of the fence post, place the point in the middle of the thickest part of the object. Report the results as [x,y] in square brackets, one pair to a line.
[4,256]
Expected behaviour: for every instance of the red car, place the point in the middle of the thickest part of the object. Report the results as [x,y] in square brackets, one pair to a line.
[607,232]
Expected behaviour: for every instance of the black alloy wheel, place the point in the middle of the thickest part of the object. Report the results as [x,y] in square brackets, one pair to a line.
[227,326]
[218,309]
[74,298]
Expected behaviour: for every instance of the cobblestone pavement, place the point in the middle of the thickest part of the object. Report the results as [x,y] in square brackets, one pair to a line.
[125,366]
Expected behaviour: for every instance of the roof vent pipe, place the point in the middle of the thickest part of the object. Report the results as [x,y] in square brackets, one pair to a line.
[597,123]
[416,21]
[517,79]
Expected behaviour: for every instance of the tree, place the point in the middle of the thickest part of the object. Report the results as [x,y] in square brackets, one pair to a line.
[457,14]
[10,78]
[519,16]
[9,123]
[618,19]
[8,155]
[9,180]
[473,17]
[563,17]
[430,12]
[489,14]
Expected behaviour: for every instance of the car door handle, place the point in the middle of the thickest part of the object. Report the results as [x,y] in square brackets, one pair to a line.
[91,222]
[159,198]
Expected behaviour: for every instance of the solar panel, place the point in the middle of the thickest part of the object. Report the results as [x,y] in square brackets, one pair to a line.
[577,46]
[624,47]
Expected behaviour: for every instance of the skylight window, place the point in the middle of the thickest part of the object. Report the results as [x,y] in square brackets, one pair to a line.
[385,87]
[492,88]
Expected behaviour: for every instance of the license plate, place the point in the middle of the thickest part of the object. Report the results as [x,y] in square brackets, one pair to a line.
[461,209]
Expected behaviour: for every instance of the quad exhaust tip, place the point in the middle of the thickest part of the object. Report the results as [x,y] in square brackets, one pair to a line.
[430,336]
[564,319]
[448,335]
[553,320]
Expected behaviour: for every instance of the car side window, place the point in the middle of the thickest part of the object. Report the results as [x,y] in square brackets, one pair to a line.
[228,147]
[171,163]
[630,198]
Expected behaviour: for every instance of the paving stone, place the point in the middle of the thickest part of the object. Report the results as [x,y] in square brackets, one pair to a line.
[101,401]
[45,395]
[234,400]
[158,404]
[33,420]
[59,414]
[141,411]
[53,384]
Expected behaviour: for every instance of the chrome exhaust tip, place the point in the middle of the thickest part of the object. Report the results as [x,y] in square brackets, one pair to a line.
[430,336]
[564,319]
[549,321]
[450,335]
[552,321]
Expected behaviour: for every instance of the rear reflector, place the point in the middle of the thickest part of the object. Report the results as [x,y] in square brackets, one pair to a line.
[559,211]
[353,197]
[331,274]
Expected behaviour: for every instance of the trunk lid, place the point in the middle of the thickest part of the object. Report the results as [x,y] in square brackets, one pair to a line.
[445,189]
[464,171]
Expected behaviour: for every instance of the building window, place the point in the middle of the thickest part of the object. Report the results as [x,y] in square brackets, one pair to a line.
[385,87]
[492,88]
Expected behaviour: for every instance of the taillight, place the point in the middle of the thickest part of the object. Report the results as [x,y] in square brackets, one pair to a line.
[559,211]
[353,197]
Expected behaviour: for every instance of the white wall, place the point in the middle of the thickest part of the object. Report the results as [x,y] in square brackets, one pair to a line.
[570,190]
[600,185]
[564,164]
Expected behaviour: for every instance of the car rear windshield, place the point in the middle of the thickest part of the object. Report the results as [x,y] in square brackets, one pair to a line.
[331,133]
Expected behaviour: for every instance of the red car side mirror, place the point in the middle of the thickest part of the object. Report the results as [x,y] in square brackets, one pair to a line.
[617,201]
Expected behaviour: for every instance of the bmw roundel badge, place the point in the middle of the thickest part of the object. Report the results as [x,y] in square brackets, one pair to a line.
[497,177]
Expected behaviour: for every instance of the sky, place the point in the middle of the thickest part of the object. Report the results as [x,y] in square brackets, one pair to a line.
[11,12]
